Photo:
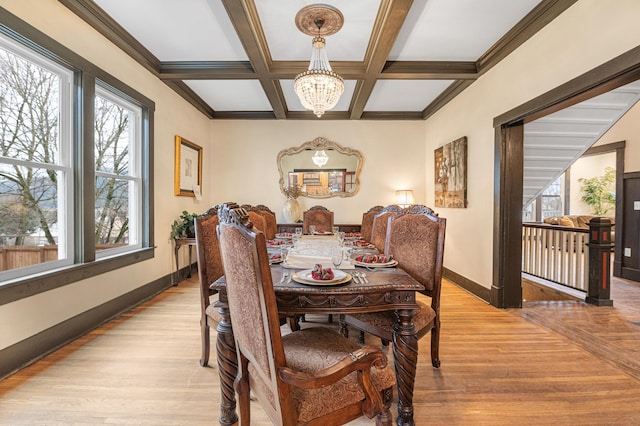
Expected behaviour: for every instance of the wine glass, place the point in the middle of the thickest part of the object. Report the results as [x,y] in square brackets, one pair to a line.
[348,245]
[336,258]
[299,232]
[312,229]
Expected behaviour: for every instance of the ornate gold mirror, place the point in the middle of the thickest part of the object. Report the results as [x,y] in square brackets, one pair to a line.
[321,168]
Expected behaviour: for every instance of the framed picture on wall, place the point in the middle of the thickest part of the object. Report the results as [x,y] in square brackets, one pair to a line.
[188,168]
[450,178]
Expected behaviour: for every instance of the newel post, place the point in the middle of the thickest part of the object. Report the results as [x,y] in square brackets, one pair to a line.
[599,262]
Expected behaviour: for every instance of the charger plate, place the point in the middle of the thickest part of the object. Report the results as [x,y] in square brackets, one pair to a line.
[375,265]
[304,277]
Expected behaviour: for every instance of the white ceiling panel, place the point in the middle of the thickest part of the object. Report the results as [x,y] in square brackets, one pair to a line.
[231,95]
[286,42]
[404,95]
[456,30]
[185,30]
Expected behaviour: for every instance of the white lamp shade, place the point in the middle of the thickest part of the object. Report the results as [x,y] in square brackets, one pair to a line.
[404,197]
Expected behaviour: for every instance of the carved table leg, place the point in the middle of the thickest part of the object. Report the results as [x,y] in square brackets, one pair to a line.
[227,364]
[405,355]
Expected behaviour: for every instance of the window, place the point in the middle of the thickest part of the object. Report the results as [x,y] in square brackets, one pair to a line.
[118,181]
[35,162]
[75,167]
[551,199]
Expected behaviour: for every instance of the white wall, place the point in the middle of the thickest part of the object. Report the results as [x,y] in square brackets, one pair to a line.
[26,317]
[243,161]
[583,37]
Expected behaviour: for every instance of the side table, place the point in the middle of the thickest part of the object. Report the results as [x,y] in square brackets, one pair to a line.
[189,242]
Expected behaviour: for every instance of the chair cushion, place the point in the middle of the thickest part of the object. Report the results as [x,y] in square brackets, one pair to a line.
[383,321]
[314,349]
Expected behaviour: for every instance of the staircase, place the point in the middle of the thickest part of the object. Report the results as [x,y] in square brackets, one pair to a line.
[554,142]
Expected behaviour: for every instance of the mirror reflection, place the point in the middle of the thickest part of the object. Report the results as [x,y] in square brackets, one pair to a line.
[321,168]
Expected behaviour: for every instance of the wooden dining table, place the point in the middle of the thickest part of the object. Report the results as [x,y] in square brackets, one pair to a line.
[387,289]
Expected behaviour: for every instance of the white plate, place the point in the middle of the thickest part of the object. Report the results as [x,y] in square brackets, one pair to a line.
[284,236]
[375,265]
[304,277]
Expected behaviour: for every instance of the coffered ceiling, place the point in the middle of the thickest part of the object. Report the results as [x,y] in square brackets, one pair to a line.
[400,59]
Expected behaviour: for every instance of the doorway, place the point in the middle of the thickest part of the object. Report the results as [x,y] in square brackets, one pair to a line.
[506,290]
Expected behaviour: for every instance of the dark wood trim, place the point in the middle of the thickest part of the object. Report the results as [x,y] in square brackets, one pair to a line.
[567,192]
[445,97]
[236,70]
[604,149]
[617,72]
[84,193]
[618,269]
[506,288]
[32,285]
[245,20]
[545,12]
[445,70]
[391,16]
[471,286]
[28,351]
[92,14]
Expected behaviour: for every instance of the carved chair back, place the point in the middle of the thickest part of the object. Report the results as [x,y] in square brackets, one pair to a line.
[367,222]
[271,226]
[380,225]
[209,270]
[320,217]
[416,241]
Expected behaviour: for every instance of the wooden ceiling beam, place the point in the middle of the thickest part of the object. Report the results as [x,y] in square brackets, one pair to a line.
[207,70]
[389,21]
[245,20]
[424,70]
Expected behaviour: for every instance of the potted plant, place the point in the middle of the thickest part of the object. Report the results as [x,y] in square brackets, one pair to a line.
[599,192]
[184,226]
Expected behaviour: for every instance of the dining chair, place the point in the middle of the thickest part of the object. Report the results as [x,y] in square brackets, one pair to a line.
[313,376]
[367,222]
[209,270]
[271,226]
[379,226]
[416,241]
[320,217]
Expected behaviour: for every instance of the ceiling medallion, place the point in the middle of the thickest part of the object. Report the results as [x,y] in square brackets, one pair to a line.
[319,88]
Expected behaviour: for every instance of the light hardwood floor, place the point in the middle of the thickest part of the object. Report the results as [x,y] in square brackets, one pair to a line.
[559,362]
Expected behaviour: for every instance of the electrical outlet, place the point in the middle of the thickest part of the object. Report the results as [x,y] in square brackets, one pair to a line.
[636,205]
[627,252]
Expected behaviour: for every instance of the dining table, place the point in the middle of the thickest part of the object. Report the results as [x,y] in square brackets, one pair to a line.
[384,289]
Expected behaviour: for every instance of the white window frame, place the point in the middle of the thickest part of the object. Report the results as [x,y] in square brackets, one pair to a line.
[63,166]
[135,172]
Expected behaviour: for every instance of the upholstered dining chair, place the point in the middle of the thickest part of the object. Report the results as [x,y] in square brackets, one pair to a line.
[416,241]
[312,376]
[379,226]
[367,222]
[209,270]
[319,216]
[271,226]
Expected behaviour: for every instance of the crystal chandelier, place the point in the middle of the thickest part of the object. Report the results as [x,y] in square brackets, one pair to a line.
[319,87]
[320,158]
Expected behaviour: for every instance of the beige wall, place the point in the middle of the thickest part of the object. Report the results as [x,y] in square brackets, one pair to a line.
[243,161]
[582,38]
[627,129]
[173,115]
